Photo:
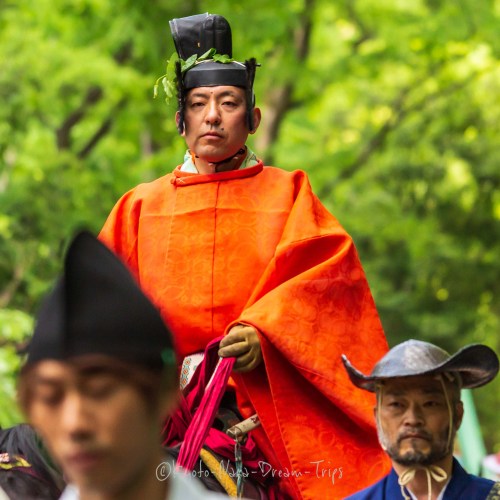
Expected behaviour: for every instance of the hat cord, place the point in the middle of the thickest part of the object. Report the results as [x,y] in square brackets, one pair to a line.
[450,412]
[431,471]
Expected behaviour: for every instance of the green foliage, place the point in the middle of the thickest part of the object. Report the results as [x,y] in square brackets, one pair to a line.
[390,106]
[169,79]
[15,326]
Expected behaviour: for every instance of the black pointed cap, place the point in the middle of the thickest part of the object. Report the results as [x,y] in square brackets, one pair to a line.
[97,307]
[198,34]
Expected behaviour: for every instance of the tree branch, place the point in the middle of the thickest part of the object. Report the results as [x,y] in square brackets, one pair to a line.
[63,133]
[93,96]
[399,113]
[366,33]
[11,287]
[101,131]
[279,99]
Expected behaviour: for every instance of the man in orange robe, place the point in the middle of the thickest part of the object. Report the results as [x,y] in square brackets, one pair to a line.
[226,245]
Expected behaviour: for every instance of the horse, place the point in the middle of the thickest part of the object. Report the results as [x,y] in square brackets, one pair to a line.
[26,470]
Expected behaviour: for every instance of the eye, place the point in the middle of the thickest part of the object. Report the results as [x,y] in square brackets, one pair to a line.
[431,403]
[395,404]
[196,104]
[48,396]
[101,389]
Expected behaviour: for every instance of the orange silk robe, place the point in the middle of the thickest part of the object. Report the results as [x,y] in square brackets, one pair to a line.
[256,246]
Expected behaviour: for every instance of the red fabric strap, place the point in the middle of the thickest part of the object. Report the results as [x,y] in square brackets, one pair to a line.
[203,418]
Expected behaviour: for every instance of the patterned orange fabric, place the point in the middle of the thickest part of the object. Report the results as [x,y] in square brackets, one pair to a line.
[256,246]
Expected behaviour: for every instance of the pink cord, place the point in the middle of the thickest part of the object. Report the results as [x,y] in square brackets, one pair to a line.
[203,418]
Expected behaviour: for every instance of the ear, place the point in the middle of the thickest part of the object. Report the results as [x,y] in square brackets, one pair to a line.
[256,120]
[177,120]
[168,403]
[460,414]
[380,432]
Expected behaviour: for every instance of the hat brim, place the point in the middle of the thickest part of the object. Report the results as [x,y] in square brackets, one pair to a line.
[477,365]
[212,74]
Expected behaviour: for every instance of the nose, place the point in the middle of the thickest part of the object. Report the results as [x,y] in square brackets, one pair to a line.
[413,416]
[212,115]
[75,418]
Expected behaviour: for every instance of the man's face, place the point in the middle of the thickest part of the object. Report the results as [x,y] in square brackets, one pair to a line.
[215,122]
[97,427]
[413,420]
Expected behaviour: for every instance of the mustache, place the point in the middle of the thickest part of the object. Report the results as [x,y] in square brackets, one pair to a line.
[409,433]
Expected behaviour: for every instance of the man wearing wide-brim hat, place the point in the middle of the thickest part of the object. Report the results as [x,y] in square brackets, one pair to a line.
[418,414]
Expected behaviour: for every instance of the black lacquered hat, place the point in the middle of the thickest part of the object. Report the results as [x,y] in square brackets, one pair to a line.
[476,364]
[97,307]
[193,37]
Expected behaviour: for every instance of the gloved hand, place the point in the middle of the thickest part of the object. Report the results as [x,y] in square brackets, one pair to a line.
[242,342]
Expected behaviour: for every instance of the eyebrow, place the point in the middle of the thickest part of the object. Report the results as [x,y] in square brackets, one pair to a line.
[402,392]
[46,380]
[226,93]
[92,371]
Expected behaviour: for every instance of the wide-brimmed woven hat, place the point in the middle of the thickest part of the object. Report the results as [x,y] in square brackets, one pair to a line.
[476,364]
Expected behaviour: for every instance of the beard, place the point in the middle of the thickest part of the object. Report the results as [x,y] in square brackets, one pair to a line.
[412,454]
[418,457]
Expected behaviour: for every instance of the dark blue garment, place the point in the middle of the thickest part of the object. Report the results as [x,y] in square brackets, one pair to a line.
[462,486]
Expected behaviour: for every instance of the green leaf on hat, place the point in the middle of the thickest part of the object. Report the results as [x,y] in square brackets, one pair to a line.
[169,79]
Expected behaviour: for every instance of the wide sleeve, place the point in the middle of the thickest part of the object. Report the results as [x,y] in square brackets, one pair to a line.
[120,231]
[311,305]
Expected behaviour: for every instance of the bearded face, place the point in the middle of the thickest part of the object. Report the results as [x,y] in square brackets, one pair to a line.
[414,419]
[416,446]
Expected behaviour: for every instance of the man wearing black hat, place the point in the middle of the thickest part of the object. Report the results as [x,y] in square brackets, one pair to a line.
[227,246]
[418,413]
[99,380]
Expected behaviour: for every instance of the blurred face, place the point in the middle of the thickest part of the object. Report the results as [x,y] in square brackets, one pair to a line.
[215,123]
[413,420]
[97,427]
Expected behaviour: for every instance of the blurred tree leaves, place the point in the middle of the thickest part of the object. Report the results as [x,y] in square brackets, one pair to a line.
[390,106]
[15,326]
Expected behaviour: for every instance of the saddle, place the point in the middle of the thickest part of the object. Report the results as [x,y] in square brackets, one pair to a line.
[197,438]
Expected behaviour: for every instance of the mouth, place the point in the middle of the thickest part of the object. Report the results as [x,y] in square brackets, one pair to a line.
[414,436]
[212,135]
[84,460]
